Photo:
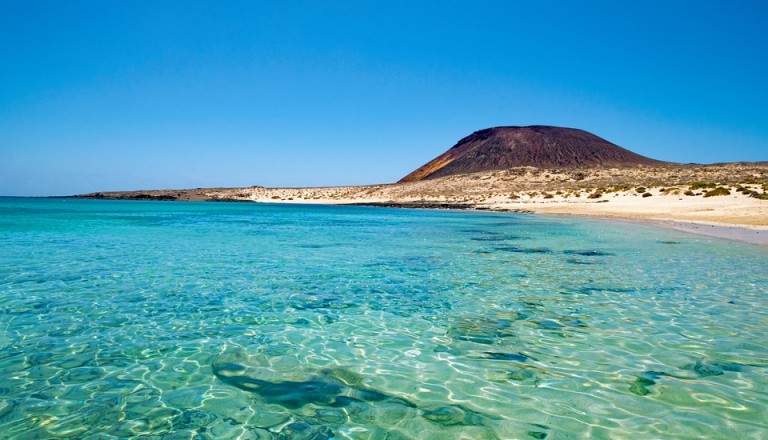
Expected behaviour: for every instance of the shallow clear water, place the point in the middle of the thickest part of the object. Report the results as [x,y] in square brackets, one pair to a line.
[176,320]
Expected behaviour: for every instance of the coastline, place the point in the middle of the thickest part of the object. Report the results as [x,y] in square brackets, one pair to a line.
[751,234]
[742,232]
[734,232]
[722,200]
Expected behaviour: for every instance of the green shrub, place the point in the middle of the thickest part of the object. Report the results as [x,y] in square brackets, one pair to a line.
[701,185]
[719,191]
[755,181]
[640,189]
[647,195]
[595,195]
[689,193]
[757,195]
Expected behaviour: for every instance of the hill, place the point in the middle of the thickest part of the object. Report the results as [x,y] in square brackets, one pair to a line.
[538,146]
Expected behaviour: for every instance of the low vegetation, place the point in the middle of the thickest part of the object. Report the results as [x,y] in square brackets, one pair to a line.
[701,185]
[516,184]
[719,191]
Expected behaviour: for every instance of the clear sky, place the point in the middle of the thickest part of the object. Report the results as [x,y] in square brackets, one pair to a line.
[116,95]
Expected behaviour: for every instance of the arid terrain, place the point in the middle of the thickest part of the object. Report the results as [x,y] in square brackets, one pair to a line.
[726,194]
[542,169]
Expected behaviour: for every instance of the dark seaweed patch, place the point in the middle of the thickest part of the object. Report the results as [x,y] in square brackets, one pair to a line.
[497,237]
[455,415]
[700,368]
[517,357]
[489,238]
[596,289]
[319,302]
[329,390]
[521,374]
[644,380]
[588,253]
[549,325]
[707,367]
[582,262]
[303,430]
[193,419]
[483,330]
[293,394]
[520,250]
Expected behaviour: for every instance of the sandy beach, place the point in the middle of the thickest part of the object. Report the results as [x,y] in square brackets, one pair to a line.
[727,200]
[735,217]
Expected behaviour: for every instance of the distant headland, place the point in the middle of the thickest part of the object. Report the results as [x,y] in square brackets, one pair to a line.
[542,169]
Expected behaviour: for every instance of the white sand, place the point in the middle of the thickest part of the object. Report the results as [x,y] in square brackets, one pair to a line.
[736,216]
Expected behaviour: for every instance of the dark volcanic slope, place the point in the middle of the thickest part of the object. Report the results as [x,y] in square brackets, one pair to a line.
[537,145]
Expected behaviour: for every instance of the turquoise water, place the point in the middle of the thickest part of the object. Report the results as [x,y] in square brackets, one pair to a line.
[202,320]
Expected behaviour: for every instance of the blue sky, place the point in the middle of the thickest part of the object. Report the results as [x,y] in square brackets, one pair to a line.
[108,95]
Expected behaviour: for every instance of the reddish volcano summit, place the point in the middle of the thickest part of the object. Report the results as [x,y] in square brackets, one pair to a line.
[538,146]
